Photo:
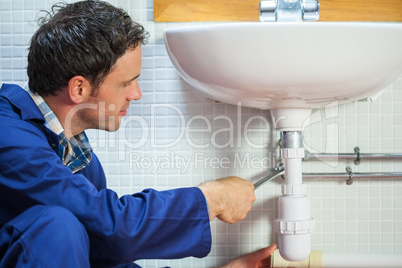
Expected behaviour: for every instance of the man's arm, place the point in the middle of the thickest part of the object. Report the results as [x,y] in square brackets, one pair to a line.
[150,224]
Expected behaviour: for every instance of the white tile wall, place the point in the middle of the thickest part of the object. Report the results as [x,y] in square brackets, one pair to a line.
[197,139]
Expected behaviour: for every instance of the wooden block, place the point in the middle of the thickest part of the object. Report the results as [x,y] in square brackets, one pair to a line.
[248,10]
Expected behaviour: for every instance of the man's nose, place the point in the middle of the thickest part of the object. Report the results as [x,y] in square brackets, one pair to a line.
[134,92]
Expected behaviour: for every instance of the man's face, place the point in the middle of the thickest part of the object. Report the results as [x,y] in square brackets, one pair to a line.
[115,93]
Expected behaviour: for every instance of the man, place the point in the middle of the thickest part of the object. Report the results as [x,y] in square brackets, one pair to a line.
[55,209]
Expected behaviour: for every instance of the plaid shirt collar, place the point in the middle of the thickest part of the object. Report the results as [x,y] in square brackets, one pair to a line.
[75,153]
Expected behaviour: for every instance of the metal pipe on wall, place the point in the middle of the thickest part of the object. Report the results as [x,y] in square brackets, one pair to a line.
[280,171]
[357,156]
[357,175]
[350,156]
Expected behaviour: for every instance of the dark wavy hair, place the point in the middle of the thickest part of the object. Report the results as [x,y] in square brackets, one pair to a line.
[84,38]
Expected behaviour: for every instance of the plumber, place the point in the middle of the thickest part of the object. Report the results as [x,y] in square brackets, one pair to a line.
[55,209]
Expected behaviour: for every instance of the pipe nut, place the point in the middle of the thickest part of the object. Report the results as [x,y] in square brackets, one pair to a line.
[289,227]
[293,189]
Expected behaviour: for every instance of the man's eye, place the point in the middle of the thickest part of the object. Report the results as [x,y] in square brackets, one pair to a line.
[128,84]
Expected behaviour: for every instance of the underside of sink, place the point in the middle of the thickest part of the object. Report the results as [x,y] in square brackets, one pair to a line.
[287,65]
[288,68]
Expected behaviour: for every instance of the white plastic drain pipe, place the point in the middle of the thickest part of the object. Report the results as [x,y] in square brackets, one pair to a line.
[294,223]
[319,259]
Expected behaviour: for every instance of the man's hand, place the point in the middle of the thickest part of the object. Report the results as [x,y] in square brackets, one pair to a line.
[229,199]
[257,259]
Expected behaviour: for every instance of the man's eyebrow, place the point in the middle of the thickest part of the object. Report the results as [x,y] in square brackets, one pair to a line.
[131,79]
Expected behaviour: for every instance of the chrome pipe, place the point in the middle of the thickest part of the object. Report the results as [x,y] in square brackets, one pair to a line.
[350,156]
[350,176]
[357,175]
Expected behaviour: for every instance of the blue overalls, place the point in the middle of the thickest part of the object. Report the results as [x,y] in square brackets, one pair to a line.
[50,217]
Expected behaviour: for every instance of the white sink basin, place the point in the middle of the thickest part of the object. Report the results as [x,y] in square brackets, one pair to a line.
[287,65]
[288,68]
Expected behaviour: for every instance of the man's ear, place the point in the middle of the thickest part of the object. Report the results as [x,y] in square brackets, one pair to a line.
[79,89]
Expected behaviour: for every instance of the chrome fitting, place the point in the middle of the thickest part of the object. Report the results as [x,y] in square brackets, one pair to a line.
[291,139]
[289,10]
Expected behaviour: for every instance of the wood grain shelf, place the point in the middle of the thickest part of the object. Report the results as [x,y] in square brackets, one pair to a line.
[248,10]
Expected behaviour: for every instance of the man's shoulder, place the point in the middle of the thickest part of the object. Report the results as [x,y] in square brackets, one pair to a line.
[20,118]
[10,91]
[15,102]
